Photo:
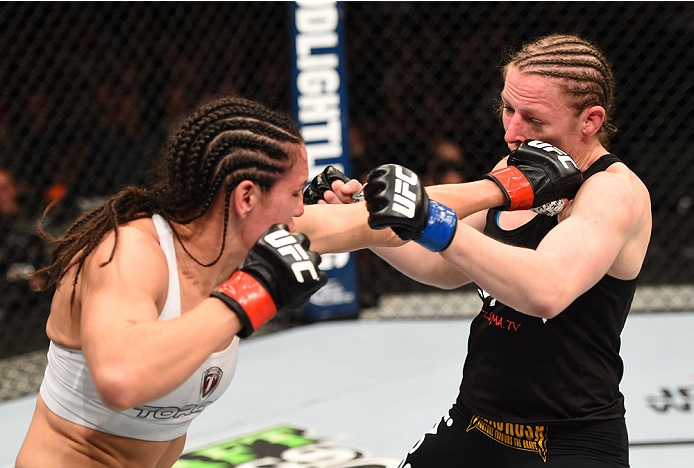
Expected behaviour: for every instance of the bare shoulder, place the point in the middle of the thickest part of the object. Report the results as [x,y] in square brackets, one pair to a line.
[137,262]
[613,209]
[138,267]
[136,237]
[617,187]
[630,178]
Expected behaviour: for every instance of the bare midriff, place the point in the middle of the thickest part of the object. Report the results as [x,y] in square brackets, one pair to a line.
[55,442]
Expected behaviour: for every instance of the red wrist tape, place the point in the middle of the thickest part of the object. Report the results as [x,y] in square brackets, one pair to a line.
[251,296]
[517,186]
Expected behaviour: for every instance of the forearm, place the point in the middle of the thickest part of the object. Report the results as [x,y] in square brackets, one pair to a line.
[518,277]
[468,198]
[428,267]
[422,265]
[534,176]
[342,228]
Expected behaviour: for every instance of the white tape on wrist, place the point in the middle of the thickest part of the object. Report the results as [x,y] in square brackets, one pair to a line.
[358,196]
[552,208]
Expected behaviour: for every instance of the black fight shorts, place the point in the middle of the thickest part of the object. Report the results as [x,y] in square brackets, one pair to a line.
[463,440]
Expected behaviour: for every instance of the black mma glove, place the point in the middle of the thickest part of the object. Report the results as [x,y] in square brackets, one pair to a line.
[537,173]
[395,198]
[321,184]
[280,271]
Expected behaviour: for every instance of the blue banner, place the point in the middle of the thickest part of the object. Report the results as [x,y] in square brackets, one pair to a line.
[320,102]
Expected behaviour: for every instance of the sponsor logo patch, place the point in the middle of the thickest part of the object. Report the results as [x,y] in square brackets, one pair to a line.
[210,380]
[518,436]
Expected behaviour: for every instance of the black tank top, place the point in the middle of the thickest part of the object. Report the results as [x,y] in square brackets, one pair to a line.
[521,368]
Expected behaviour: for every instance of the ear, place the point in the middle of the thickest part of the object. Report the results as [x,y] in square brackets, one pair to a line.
[244,198]
[593,117]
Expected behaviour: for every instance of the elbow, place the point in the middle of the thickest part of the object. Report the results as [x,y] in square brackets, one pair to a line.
[546,306]
[447,282]
[546,312]
[116,390]
[448,285]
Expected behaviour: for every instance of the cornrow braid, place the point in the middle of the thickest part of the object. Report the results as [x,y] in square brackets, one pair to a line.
[583,71]
[222,148]
[219,117]
[224,108]
[222,143]
[84,235]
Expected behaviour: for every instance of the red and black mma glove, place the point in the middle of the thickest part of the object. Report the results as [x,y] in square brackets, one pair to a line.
[280,271]
[537,173]
[322,183]
[395,198]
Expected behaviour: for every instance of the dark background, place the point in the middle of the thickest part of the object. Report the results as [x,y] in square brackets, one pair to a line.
[89,91]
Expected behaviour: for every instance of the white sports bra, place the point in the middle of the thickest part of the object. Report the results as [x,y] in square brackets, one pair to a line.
[69,392]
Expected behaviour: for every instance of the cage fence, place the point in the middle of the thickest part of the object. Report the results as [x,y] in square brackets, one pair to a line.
[90,91]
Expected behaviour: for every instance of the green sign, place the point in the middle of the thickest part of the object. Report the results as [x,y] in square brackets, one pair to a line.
[280,447]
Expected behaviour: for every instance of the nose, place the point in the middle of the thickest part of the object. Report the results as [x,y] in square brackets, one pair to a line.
[514,132]
[298,209]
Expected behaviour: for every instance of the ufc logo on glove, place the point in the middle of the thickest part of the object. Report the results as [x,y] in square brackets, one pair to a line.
[404,198]
[563,157]
[287,246]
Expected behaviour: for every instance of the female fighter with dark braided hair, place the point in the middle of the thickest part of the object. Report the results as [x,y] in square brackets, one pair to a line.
[150,297]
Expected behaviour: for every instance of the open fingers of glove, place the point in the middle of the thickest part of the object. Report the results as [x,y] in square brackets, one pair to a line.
[395,198]
[324,183]
[374,190]
[376,200]
[315,190]
[314,257]
[301,239]
[342,192]
[331,174]
[380,171]
[349,191]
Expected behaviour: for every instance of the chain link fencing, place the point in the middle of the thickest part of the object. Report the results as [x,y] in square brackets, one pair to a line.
[90,91]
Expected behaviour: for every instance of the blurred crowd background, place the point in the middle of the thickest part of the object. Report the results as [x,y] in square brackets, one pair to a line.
[90,91]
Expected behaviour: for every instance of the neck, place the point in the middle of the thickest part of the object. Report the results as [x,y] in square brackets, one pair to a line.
[198,247]
[587,156]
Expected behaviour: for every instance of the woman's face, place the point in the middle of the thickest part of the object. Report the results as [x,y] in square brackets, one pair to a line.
[284,200]
[535,108]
